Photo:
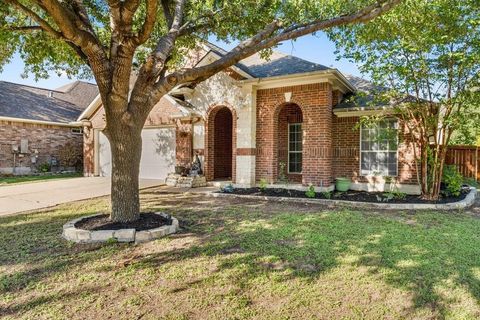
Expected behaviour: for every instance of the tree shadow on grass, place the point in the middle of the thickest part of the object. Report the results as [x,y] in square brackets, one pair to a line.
[425,253]
[248,240]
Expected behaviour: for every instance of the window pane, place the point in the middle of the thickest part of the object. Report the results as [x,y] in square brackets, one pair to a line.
[295,138]
[378,149]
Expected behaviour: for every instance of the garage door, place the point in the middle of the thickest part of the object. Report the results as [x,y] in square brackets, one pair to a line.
[158,153]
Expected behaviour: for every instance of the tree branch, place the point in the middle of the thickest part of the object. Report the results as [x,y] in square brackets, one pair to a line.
[166,12]
[26,29]
[267,38]
[149,23]
[32,14]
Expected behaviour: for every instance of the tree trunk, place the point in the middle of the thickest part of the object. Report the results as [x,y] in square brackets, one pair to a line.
[126,146]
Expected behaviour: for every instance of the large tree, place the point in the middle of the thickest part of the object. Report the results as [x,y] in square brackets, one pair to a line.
[426,55]
[109,38]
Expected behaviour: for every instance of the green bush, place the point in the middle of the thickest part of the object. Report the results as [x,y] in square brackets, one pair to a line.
[263,185]
[328,194]
[44,167]
[310,192]
[452,179]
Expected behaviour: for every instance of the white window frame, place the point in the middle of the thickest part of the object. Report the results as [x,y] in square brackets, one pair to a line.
[360,154]
[288,152]
[77,131]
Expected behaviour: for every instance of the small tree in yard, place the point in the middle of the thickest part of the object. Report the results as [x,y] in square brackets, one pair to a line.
[427,52]
[109,38]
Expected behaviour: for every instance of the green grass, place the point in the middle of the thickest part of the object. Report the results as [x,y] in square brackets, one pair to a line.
[26,179]
[246,260]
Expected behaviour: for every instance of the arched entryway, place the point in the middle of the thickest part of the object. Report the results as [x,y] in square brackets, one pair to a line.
[220,144]
[289,143]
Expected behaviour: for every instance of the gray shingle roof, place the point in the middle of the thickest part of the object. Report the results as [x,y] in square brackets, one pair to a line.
[79,93]
[278,64]
[26,102]
[365,97]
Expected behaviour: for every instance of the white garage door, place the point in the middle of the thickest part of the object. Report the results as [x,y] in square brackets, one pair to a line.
[158,154]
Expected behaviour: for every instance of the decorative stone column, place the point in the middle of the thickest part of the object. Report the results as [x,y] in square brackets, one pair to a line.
[246,138]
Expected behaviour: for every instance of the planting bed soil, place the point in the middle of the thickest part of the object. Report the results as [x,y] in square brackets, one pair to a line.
[148,220]
[351,195]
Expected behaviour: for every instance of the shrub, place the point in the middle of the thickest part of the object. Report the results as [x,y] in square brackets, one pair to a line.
[310,192]
[263,185]
[44,167]
[327,194]
[452,179]
[70,156]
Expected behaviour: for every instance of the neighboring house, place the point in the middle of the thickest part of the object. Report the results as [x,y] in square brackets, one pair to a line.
[259,117]
[37,124]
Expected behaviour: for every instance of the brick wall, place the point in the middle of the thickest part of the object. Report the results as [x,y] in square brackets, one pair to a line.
[47,140]
[159,116]
[315,100]
[220,143]
[290,113]
[346,152]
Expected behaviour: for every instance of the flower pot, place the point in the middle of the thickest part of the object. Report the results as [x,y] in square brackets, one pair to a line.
[342,184]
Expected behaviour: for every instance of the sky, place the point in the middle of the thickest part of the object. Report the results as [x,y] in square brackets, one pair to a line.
[317,49]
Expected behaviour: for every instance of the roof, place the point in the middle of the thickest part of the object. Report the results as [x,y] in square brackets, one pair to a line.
[277,64]
[365,96]
[79,93]
[60,105]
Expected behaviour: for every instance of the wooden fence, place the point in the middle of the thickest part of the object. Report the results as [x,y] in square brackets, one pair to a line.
[466,159]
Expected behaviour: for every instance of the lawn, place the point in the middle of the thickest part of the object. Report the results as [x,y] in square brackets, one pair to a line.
[32,178]
[246,260]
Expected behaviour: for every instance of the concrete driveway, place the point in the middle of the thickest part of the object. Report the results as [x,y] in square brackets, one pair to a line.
[39,195]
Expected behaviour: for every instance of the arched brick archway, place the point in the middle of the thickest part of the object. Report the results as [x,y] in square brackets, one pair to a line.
[288,118]
[220,143]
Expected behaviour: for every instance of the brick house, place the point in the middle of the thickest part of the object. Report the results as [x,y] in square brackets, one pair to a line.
[281,119]
[37,124]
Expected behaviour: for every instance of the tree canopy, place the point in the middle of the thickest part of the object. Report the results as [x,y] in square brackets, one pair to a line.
[109,38]
[425,54]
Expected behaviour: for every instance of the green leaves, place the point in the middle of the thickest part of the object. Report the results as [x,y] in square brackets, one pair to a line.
[232,20]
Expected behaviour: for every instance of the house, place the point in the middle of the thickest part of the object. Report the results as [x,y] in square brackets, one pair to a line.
[37,124]
[281,119]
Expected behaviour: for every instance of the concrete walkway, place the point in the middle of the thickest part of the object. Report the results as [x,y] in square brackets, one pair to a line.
[39,195]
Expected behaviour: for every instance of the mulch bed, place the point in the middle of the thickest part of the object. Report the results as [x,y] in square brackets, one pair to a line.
[359,196]
[147,220]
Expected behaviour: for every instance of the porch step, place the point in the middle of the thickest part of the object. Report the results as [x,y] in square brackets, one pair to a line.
[218,184]
[176,180]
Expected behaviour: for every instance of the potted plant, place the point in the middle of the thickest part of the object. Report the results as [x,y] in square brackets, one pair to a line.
[342,184]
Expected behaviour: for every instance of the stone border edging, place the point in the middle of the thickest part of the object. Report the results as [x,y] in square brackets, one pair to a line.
[71,233]
[462,204]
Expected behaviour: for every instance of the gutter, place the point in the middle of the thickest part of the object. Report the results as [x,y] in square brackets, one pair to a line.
[42,122]
[90,109]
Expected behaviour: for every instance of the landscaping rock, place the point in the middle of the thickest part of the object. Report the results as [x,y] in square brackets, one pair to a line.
[72,233]
[142,236]
[124,235]
[83,235]
[101,235]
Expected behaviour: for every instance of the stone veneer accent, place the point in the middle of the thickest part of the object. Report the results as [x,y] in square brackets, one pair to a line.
[331,143]
[71,233]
